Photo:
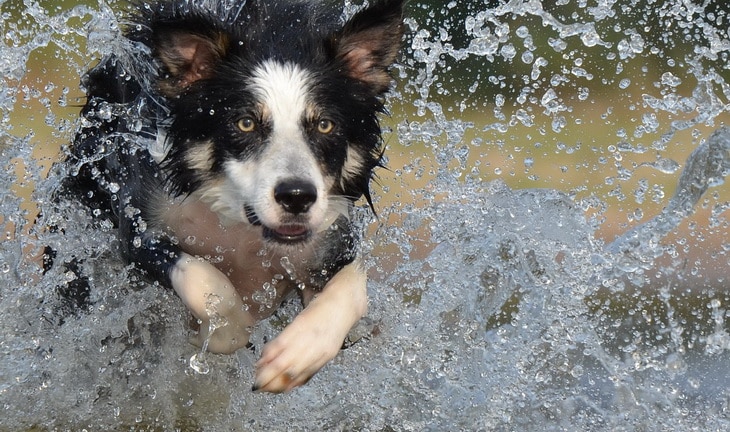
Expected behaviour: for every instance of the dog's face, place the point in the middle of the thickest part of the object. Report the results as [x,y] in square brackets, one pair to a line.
[274,122]
[283,184]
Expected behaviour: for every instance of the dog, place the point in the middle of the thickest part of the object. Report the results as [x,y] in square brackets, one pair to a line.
[228,142]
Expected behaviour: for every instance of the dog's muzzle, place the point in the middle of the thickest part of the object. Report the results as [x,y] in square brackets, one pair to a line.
[251,215]
[295,197]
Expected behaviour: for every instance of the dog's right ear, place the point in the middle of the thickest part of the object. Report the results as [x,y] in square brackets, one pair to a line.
[188,57]
[369,42]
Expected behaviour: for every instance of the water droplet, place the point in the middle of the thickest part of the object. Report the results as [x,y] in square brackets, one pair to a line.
[199,364]
[288,267]
[669,79]
[527,57]
[665,165]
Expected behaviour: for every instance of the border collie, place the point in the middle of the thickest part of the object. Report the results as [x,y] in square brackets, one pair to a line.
[228,142]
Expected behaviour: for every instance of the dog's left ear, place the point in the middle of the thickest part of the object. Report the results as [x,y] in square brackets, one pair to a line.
[188,57]
[369,42]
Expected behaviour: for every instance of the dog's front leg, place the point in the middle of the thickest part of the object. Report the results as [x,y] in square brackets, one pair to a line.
[316,334]
[213,300]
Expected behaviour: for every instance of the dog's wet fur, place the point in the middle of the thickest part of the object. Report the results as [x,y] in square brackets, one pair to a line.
[228,144]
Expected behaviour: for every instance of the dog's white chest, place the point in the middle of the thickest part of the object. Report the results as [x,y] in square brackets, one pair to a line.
[261,274]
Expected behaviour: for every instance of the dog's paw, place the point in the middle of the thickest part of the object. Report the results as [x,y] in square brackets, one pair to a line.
[301,350]
[316,334]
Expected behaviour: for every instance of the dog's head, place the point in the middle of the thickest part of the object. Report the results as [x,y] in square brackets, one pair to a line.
[274,111]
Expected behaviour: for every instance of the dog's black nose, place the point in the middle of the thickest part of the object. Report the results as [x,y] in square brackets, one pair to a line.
[295,196]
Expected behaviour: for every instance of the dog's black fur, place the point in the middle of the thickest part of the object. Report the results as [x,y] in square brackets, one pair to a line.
[184,85]
[118,97]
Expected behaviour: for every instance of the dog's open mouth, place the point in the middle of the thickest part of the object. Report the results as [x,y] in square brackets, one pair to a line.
[292,232]
[288,233]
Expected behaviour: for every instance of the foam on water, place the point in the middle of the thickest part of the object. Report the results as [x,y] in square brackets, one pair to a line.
[491,307]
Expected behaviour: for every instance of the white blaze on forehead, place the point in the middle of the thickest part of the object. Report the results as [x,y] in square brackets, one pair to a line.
[283,90]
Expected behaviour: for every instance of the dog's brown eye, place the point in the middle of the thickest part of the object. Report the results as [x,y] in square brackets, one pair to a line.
[325,126]
[246,124]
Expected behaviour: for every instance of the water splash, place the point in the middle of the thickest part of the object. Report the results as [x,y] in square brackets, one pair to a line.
[491,307]
[198,360]
[706,167]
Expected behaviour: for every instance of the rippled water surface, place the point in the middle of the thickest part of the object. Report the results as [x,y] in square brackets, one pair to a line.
[551,250]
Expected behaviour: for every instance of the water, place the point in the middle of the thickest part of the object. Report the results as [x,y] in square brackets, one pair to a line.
[508,291]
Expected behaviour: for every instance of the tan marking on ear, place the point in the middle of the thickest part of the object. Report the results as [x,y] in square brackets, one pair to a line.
[367,60]
[188,58]
[369,43]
